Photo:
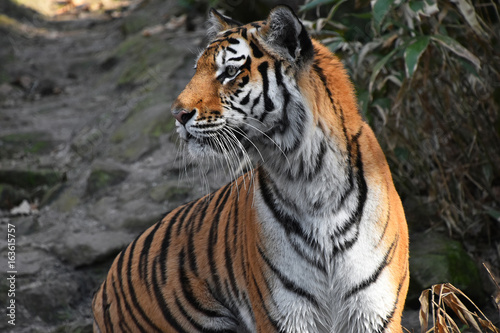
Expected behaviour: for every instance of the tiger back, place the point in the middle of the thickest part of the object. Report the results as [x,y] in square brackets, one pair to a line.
[314,239]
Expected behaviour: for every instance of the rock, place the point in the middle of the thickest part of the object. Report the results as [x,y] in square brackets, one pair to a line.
[103,176]
[78,326]
[5,89]
[11,196]
[87,142]
[17,186]
[135,23]
[24,209]
[31,179]
[49,296]
[434,259]
[66,202]
[138,135]
[170,192]
[82,248]
[26,143]
[47,87]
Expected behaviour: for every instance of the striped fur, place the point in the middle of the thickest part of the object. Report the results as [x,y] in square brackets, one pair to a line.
[312,240]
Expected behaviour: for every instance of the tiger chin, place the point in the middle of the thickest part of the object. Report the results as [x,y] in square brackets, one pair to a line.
[314,239]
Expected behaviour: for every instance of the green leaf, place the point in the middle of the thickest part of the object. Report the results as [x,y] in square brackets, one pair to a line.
[379,65]
[380,8]
[456,48]
[315,3]
[417,6]
[468,12]
[413,52]
[494,214]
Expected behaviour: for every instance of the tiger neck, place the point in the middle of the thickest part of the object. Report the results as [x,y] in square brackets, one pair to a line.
[316,174]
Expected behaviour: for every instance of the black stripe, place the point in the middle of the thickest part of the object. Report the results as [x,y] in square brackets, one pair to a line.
[105,307]
[236,58]
[387,220]
[324,80]
[230,49]
[144,257]
[376,274]
[237,109]
[256,51]
[289,224]
[233,41]
[163,306]
[287,283]
[187,290]
[389,317]
[122,321]
[262,303]
[183,218]
[277,72]
[268,103]
[189,318]
[355,218]
[255,102]
[244,81]
[243,33]
[131,293]
[166,244]
[207,200]
[247,65]
[213,237]
[246,99]
[228,256]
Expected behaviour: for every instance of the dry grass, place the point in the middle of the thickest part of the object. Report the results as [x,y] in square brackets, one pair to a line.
[437,301]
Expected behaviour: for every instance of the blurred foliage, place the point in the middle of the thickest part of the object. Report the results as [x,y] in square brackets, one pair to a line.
[427,75]
[241,10]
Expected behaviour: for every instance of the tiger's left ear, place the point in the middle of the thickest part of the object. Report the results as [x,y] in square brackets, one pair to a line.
[285,34]
[218,22]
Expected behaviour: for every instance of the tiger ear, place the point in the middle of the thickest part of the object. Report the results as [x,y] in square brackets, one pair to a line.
[218,22]
[285,34]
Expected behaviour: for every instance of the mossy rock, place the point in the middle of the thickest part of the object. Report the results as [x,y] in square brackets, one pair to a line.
[145,61]
[435,259]
[139,134]
[31,179]
[78,326]
[66,202]
[103,177]
[135,22]
[26,143]
[170,193]
[11,196]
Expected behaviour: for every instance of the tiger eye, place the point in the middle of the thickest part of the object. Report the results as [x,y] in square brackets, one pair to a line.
[231,71]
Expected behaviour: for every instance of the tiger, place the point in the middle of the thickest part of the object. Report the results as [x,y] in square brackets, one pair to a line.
[312,238]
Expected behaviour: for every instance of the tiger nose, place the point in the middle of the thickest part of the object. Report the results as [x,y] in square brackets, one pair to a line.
[182,115]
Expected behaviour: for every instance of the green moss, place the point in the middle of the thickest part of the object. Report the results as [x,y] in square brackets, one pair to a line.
[163,127]
[100,179]
[66,203]
[437,259]
[169,192]
[11,196]
[30,179]
[133,72]
[30,143]
[135,23]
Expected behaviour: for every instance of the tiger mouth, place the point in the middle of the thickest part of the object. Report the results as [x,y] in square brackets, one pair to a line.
[217,141]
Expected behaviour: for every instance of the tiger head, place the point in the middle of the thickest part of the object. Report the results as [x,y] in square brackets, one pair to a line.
[244,93]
